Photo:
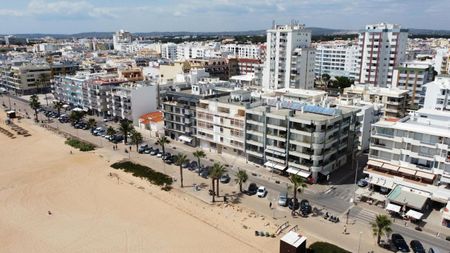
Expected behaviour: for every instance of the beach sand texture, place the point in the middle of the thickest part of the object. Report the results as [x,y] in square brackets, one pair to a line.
[92,212]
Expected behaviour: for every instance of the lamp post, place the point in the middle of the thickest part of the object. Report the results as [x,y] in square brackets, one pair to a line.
[359,242]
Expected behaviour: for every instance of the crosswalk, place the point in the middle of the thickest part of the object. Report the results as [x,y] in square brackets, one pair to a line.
[342,194]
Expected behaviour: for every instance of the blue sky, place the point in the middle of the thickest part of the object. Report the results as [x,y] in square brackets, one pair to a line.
[72,16]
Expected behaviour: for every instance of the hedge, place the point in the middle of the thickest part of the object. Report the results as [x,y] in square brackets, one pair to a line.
[82,146]
[321,247]
[144,172]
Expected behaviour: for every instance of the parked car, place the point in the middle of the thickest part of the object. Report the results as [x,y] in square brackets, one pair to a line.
[224,179]
[282,199]
[252,189]
[148,150]
[399,243]
[205,172]
[193,165]
[159,154]
[117,138]
[305,207]
[166,155]
[362,182]
[185,164]
[154,151]
[433,250]
[142,148]
[261,192]
[293,204]
[417,246]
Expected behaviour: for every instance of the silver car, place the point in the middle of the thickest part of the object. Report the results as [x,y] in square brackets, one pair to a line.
[282,199]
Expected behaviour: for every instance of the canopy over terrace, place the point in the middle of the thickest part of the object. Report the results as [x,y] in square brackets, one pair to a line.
[391,169]
[406,196]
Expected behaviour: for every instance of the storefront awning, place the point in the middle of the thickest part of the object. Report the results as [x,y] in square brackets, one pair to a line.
[390,167]
[425,175]
[274,165]
[407,171]
[414,214]
[393,207]
[301,173]
[185,138]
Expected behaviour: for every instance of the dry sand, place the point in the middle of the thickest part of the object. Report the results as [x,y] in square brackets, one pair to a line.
[93,212]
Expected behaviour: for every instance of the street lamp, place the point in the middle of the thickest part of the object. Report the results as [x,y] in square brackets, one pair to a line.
[359,241]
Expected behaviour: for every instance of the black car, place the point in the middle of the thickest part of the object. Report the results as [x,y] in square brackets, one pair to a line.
[305,207]
[204,172]
[252,189]
[293,204]
[169,160]
[142,148]
[193,165]
[417,246]
[399,243]
[225,179]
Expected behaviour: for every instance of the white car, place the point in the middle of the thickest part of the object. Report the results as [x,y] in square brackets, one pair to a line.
[261,192]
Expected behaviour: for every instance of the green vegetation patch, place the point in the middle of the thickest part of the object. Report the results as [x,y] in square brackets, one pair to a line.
[320,247]
[81,145]
[145,172]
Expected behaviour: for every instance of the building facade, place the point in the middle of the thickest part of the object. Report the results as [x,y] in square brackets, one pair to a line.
[382,47]
[438,94]
[336,60]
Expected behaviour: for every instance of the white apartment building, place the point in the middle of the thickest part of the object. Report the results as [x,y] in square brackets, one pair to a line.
[27,78]
[221,122]
[393,102]
[438,94]
[302,139]
[289,58]
[412,76]
[382,47]
[120,39]
[441,61]
[411,158]
[187,51]
[245,51]
[169,51]
[336,59]
[131,100]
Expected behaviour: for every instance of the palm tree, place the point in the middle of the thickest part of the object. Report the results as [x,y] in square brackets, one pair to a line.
[179,160]
[381,226]
[136,138]
[111,131]
[125,128]
[162,141]
[76,116]
[217,171]
[58,105]
[35,105]
[299,184]
[91,123]
[199,154]
[241,177]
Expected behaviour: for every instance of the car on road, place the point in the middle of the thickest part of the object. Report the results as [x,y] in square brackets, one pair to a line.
[399,243]
[417,246]
[224,179]
[362,182]
[293,204]
[305,207]
[261,192]
[252,189]
[282,199]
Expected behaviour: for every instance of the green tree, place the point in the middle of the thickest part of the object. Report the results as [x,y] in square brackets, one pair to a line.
[326,77]
[91,123]
[199,154]
[299,184]
[35,105]
[125,128]
[341,82]
[241,177]
[111,131]
[179,160]
[136,138]
[58,105]
[76,116]
[162,141]
[217,171]
[381,226]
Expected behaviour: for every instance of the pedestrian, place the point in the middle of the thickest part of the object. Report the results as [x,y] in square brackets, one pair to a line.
[345,230]
[49,213]
[270,205]
[130,148]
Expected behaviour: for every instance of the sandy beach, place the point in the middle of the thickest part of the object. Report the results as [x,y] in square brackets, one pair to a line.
[93,212]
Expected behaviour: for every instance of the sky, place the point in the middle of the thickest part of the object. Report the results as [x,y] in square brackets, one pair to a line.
[73,16]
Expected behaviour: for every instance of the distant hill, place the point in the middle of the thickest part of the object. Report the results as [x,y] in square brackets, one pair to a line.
[316,31]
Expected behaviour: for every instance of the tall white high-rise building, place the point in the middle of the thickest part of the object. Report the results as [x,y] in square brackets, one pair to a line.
[289,58]
[337,59]
[382,47]
[121,38]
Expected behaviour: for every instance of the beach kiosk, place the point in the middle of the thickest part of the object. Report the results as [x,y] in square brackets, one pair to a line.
[293,242]
[11,114]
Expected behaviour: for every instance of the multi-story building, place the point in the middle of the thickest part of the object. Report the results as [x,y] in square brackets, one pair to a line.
[180,111]
[411,159]
[246,51]
[289,58]
[169,51]
[26,79]
[412,76]
[393,102]
[441,61]
[216,67]
[121,39]
[247,66]
[131,100]
[437,94]
[337,59]
[221,122]
[382,48]
[297,138]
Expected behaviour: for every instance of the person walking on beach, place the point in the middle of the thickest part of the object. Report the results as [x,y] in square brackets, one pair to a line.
[345,230]
[270,205]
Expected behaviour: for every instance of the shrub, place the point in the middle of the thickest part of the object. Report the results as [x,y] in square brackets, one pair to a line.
[82,146]
[319,247]
[141,171]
